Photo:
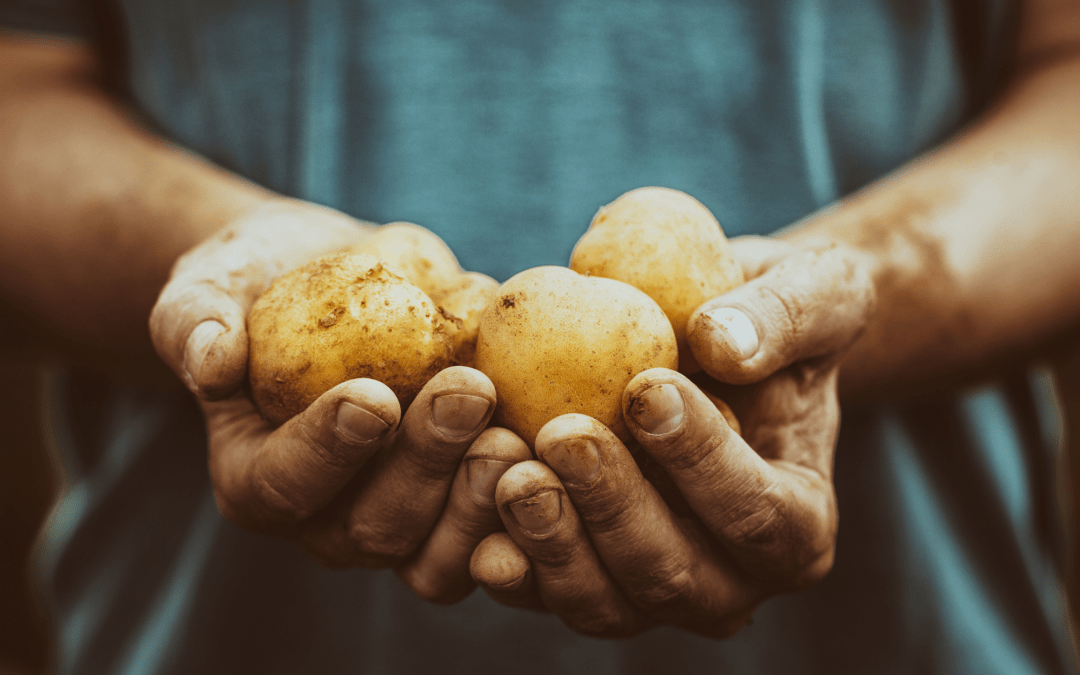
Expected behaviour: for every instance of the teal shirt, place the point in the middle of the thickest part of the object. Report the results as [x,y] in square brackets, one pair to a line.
[503,126]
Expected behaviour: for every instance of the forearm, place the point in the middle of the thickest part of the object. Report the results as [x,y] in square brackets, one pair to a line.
[93,208]
[973,247]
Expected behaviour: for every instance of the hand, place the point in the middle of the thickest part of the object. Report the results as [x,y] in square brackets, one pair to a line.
[351,479]
[591,539]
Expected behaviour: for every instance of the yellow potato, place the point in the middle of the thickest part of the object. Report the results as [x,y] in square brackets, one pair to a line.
[667,244]
[556,342]
[415,252]
[466,299]
[425,260]
[338,318]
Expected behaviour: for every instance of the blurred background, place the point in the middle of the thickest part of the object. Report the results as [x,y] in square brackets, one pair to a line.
[29,483]
[27,488]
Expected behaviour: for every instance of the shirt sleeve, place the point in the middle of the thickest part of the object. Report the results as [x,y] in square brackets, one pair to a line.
[72,18]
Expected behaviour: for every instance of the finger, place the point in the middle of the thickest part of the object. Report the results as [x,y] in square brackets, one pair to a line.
[439,572]
[811,304]
[265,478]
[569,576]
[777,518]
[651,554]
[198,330]
[401,494]
[502,569]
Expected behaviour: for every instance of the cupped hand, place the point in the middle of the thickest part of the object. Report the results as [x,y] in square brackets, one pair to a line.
[592,539]
[353,479]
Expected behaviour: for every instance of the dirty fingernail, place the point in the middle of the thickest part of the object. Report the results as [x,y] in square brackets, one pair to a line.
[538,514]
[358,424]
[737,330]
[575,460]
[198,345]
[658,409]
[459,414]
[484,475]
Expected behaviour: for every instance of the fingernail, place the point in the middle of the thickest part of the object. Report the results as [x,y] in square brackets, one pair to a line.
[575,460]
[459,414]
[484,475]
[538,514]
[358,424]
[737,330]
[198,344]
[659,409]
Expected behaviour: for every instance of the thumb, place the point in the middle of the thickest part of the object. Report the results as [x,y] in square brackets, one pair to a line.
[198,330]
[809,304]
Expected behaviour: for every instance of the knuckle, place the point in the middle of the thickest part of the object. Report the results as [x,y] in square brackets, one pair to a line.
[670,595]
[797,551]
[762,527]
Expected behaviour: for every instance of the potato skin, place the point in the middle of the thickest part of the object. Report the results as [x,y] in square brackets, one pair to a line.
[667,244]
[414,252]
[341,317]
[556,342]
[466,299]
[424,259]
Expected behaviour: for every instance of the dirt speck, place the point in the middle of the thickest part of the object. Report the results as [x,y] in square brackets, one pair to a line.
[331,318]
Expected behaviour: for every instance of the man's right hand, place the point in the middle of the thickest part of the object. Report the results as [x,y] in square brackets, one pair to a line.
[352,479]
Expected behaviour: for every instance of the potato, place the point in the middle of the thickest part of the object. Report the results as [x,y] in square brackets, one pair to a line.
[415,252]
[667,244]
[425,260]
[556,342]
[341,317]
[466,299]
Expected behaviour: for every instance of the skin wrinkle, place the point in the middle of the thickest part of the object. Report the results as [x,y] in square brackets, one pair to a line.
[923,261]
[433,461]
[761,528]
[789,326]
[271,502]
[666,594]
[662,586]
[375,533]
[338,454]
[611,509]
[766,515]
[801,434]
